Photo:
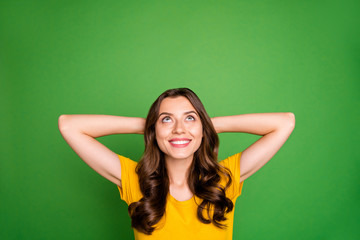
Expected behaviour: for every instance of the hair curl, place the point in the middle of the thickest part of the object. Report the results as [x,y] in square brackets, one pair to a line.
[203,179]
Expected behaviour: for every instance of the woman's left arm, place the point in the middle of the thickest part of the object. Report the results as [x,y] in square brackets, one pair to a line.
[274,127]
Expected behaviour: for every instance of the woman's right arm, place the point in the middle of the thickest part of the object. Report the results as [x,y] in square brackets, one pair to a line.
[80,131]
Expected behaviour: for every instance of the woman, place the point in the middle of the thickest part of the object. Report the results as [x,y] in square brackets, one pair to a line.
[178,190]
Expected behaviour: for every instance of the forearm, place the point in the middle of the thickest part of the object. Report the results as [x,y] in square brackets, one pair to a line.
[101,125]
[255,123]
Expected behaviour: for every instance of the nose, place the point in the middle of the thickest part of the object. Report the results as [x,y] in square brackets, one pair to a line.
[179,127]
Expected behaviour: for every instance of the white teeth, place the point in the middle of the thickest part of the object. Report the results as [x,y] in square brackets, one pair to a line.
[180,142]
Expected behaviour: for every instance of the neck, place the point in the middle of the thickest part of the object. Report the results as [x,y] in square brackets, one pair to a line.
[177,170]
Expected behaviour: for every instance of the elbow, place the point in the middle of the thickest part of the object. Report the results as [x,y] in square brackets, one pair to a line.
[62,122]
[290,119]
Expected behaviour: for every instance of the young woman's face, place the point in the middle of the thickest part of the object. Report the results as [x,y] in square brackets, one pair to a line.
[178,129]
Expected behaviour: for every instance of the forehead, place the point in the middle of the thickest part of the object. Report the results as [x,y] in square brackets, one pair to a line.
[176,105]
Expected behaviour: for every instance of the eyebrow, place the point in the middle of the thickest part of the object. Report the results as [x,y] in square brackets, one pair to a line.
[166,113]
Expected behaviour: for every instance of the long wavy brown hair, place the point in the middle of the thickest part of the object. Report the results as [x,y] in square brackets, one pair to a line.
[203,178]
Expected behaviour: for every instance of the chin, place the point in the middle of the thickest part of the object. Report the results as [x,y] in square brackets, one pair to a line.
[180,156]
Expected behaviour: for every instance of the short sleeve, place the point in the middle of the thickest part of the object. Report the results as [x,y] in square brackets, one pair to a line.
[233,164]
[129,190]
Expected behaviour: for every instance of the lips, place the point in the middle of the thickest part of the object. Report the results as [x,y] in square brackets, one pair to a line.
[180,142]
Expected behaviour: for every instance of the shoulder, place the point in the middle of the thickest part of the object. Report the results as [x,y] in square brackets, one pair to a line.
[128,169]
[127,161]
[232,161]
[129,189]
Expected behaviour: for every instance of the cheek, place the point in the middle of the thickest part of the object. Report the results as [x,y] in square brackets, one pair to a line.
[160,142]
[157,137]
[160,136]
[160,133]
[200,131]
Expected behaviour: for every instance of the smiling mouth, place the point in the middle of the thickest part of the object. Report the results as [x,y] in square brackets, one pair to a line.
[179,143]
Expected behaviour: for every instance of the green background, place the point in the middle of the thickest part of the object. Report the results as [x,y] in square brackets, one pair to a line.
[115,57]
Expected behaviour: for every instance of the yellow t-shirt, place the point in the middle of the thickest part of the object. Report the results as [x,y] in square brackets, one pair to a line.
[180,219]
